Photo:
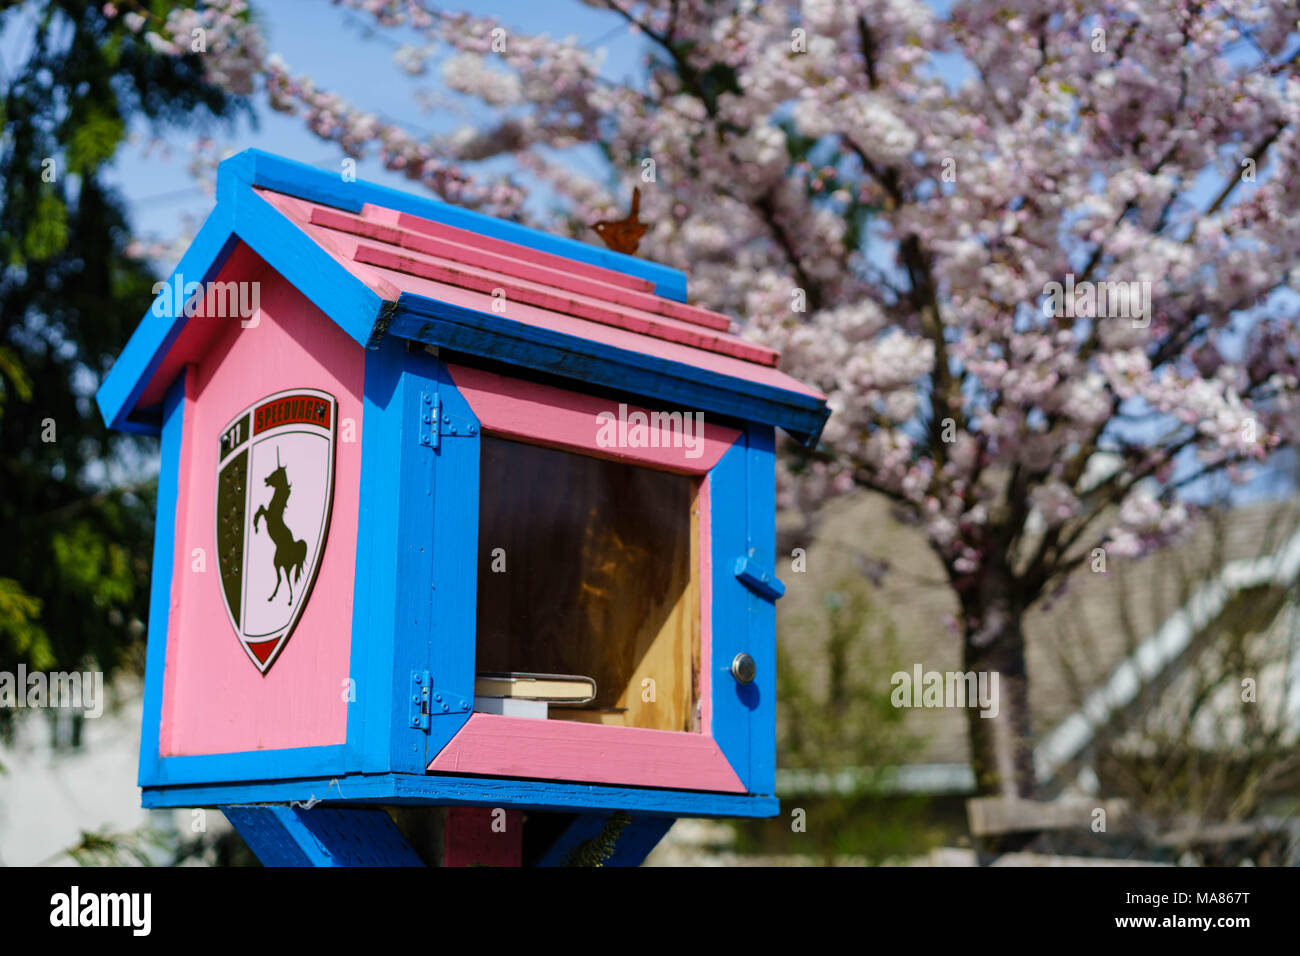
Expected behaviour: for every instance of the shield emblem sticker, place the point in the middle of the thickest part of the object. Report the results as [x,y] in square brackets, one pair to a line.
[275,489]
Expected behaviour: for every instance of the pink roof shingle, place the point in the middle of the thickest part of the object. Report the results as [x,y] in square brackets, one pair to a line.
[395,252]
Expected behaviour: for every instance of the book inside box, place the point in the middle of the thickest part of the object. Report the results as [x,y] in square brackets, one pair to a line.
[590,567]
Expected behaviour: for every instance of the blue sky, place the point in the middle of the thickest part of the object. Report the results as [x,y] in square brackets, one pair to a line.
[342,52]
[338,49]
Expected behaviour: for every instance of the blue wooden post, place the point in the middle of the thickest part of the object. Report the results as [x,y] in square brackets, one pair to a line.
[631,842]
[321,836]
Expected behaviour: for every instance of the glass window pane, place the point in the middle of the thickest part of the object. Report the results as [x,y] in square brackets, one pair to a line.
[600,580]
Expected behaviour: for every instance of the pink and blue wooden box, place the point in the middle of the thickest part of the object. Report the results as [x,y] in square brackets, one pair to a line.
[430,333]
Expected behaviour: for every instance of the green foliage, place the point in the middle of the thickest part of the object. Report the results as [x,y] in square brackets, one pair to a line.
[20,625]
[47,232]
[150,845]
[849,720]
[92,138]
[836,718]
[598,849]
[92,564]
[76,514]
[142,847]
[12,378]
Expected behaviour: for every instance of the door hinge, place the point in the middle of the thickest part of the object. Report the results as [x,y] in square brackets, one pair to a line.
[421,689]
[426,701]
[436,422]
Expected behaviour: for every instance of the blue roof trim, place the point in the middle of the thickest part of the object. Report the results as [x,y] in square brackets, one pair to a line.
[316,274]
[257,168]
[157,331]
[543,350]
[241,215]
[160,583]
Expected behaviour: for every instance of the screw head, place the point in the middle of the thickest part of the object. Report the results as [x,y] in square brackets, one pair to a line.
[743,668]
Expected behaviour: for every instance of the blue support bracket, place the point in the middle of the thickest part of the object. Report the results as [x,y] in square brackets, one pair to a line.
[631,844]
[321,836]
[753,573]
[300,835]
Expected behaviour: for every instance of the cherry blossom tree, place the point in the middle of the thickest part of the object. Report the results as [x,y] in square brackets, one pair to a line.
[1038,253]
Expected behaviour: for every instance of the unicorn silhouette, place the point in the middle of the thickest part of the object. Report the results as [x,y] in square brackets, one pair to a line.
[289,553]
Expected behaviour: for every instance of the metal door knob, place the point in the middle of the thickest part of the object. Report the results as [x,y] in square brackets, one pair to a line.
[743,668]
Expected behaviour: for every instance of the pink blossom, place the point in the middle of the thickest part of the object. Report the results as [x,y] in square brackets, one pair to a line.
[951,390]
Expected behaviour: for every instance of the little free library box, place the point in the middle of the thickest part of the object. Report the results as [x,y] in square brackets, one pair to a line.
[451,512]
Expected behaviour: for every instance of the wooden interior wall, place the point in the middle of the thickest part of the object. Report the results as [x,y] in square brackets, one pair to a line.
[601,579]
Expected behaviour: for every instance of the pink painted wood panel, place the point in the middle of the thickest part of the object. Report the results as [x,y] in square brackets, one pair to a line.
[340,246]
[559,418]
[183,576]
[570,303]
[504,247]
[531,315]
[392,271]
[196,337]
[680,310]
[214,698]
[512,265]
[493,745]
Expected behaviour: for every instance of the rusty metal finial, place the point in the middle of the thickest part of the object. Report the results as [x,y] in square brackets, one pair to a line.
[624,235]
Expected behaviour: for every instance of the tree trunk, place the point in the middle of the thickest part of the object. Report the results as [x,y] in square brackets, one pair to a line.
[1001,746]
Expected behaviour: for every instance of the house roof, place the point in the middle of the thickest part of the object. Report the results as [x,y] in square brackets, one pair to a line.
[381,262]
